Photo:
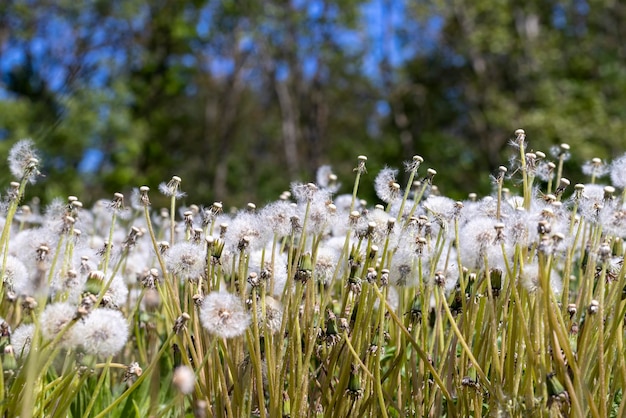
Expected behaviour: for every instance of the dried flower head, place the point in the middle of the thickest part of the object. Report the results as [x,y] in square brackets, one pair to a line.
[171,188]
[181,322]
[133,371]
[414,164]
[520,139]
[360,168]
[223,315]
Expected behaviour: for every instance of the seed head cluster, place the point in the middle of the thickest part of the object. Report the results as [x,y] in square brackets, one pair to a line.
[236,300]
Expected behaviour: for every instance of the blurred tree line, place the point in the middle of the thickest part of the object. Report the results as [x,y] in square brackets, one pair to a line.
[240,97]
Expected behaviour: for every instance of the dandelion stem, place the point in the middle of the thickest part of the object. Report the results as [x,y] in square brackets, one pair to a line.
[155,361]
[420,352]
[103,376]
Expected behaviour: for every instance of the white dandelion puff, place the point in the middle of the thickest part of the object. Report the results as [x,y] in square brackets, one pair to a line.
[103,333]
[53,321]
[618,172]
[184,379]
[186,260]
[23,160]
[385,185]
[21,338]
[223,315]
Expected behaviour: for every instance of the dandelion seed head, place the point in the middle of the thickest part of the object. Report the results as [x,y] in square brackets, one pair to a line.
[325,264]
[377,222]
[184,379]
[545,170]
[23,160]
[403,270]
[103,333]
[440,206]
[613,222]
[478,240]
[592,202]
[443,209]
[247,232]
[277,216]
[171,188]
[529,278]
[137,262]
[223,315]
[54,318]
[279,275]
[321,213]
[276,274]
[15,275]
[186,260]
[596,168]
[35,248]
[447,274]
[117,293]
[343,202]
[273,315]
[304,192]
[68,283]
[561,151]
[618,172]
[518,228]
[385,185]
[326,179]
[21,338]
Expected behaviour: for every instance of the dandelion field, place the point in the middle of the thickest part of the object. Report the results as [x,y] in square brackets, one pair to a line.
[320,304]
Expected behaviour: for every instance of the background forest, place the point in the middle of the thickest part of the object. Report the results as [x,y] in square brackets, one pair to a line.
[240,97]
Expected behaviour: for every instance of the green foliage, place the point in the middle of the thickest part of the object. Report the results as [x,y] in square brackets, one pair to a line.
[548,67]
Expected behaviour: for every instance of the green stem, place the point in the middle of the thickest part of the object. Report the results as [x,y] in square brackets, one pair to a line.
[96,391]
[155,361]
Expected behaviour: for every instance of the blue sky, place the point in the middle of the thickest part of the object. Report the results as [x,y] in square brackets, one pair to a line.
[384,33]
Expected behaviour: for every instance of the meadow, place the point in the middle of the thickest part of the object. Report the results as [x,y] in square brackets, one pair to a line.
[320,304]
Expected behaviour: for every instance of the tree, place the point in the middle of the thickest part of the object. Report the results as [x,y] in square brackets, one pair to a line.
[240,98]
[550,68]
